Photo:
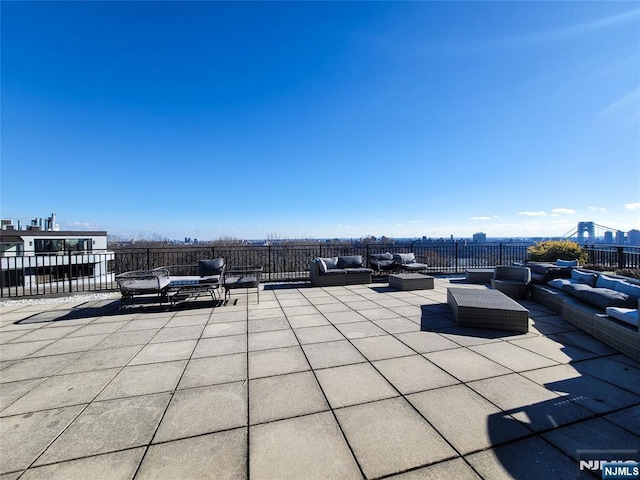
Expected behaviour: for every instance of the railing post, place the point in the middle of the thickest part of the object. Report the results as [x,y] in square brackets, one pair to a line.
[621,259]
[455,244]
[148,258]
[500,258]
[70,284]
[270,260]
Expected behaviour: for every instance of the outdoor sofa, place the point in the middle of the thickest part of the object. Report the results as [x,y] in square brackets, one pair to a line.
[395,262]
[603,305]
[174,282]
[345,270]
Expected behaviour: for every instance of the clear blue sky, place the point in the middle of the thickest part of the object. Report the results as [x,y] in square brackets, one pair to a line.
[321,119]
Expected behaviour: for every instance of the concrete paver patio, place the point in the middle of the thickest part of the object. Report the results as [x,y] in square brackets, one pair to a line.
[347,382]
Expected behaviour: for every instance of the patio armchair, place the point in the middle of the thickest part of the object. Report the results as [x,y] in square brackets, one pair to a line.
[407,262]
[513,281]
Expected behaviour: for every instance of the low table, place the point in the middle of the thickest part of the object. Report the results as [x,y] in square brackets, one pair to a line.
[479,275]
[410,281]
[487,309]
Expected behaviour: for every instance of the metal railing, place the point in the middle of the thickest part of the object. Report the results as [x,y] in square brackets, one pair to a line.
[70,272]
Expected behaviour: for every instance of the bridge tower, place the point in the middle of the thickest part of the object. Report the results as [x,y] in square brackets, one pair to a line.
[589,228]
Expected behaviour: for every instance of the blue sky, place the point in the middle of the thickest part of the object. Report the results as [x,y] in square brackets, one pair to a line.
[321,119]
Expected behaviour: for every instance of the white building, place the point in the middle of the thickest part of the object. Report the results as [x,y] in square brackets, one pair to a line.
[47,257]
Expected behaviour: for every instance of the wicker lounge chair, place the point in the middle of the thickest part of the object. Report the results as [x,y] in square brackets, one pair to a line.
[512,281]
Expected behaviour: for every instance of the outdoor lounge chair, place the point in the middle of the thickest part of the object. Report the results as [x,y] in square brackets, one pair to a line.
[407,262]
[174,283]
[242,277]
[513,281]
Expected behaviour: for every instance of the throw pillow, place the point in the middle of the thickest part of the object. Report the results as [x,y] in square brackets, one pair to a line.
[322,265]
[330,262]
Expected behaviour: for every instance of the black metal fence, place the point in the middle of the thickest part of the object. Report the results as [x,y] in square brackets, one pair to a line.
[68,272]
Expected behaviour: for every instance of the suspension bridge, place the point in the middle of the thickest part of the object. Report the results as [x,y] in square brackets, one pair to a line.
[591,232]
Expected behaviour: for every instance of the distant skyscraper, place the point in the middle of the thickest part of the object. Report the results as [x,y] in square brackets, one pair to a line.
[608,237]
[619,237]
[480,237]
[633,237]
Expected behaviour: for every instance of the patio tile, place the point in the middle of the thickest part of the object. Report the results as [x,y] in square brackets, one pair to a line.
[584,341]
[145,324]
[206,371]
[36,367]
[164,352]
[360,329]
[456,468]
[432,322]
[466,365]
[25,436]
[97,329]
[48,334]
[284,396]
[21,350]
[218,407]
[268,324]
[309,447]
[378,348]
[378,313]
[175,334]
[305,310]
[209,347]
[70,345]
[398,439]
[407,310]
[353,384]
[311,320]
[220,455]
[101,359]
[110,466]
[229,314]
[277,361]
[528,402]
[187,320]
[553,349]
[62,391]
[594,434]
[469,337]
[274,339]
[332,354]
[224,329]
[591,393]
[413,374]
[10,392]
[628,419]
[335,307]
[527,459]
[326,333]
[397,325]
[263,313]
[108,426]
[611,371]
[513,357]
[424,342]
[348,316]
[144,379]
[465,419]
[126,339]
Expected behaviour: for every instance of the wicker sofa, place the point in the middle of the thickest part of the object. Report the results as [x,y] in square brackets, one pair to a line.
[333,271]
[395,262]
[591,302]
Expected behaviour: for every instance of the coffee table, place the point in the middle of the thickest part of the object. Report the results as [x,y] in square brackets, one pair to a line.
[491,309]
[410,281]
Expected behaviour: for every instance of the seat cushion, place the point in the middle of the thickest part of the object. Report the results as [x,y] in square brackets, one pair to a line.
[604,297]
[626,315]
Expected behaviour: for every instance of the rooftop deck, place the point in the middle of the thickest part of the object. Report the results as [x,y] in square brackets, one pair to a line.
[338,382]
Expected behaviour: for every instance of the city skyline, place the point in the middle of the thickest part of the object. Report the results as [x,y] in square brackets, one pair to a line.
[322,119]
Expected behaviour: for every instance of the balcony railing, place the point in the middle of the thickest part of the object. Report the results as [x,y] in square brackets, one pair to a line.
[71,272]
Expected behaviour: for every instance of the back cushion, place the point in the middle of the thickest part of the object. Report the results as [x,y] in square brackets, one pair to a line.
[584,277]
[350,261]
[566,263]
[207,268]
[404,258]
[382,256]
[607,282]
[329,262]
[628,288]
